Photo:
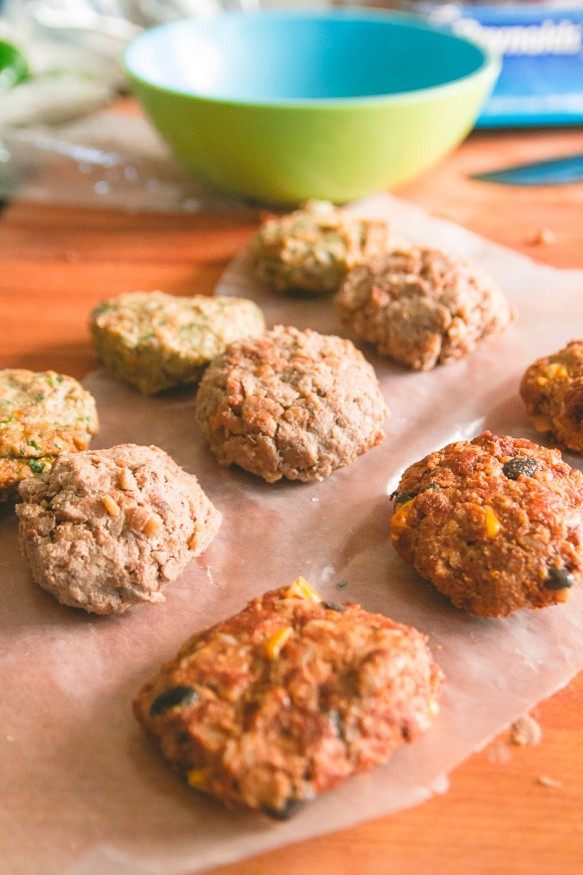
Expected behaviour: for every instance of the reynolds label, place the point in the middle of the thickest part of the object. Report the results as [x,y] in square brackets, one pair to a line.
[542,59]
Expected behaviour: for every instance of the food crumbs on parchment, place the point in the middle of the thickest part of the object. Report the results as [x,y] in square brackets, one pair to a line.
[526,730]
[546,781]
[499,753]
[543,237]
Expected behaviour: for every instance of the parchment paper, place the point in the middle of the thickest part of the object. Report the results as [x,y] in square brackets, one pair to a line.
[83,792]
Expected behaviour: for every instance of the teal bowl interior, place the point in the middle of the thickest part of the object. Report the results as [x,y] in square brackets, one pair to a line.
[271,82]
[290,57]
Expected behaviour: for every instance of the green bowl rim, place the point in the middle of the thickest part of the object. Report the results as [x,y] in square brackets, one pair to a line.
[488,69]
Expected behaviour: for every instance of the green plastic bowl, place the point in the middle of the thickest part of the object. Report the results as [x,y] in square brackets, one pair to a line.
[285,106]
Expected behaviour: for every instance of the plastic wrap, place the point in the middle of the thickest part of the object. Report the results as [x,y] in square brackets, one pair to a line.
[73,48]
[107,160]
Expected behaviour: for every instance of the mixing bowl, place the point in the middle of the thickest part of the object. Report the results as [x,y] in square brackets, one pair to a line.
[333,104]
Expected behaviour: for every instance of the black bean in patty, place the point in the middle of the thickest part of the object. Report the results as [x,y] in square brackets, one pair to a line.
[559,578]
[519,465]
[171,698]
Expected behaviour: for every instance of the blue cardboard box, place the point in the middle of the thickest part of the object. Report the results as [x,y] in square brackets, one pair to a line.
[541,44]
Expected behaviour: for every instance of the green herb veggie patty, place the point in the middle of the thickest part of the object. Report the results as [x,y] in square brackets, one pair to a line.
[42,415]
[156,341]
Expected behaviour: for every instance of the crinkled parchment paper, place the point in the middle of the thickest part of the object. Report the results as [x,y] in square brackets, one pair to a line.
[84,793]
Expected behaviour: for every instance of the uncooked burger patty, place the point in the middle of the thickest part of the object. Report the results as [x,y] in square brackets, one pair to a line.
[156,341]
[107,529]
[309,250]
[288,698]
[421,307]
[42,414]
[291,403]
[495,524]
[552,390]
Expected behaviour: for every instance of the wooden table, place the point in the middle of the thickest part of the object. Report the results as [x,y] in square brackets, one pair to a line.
[513,810]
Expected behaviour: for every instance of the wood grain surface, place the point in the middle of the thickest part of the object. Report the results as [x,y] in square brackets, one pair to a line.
[510,809]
